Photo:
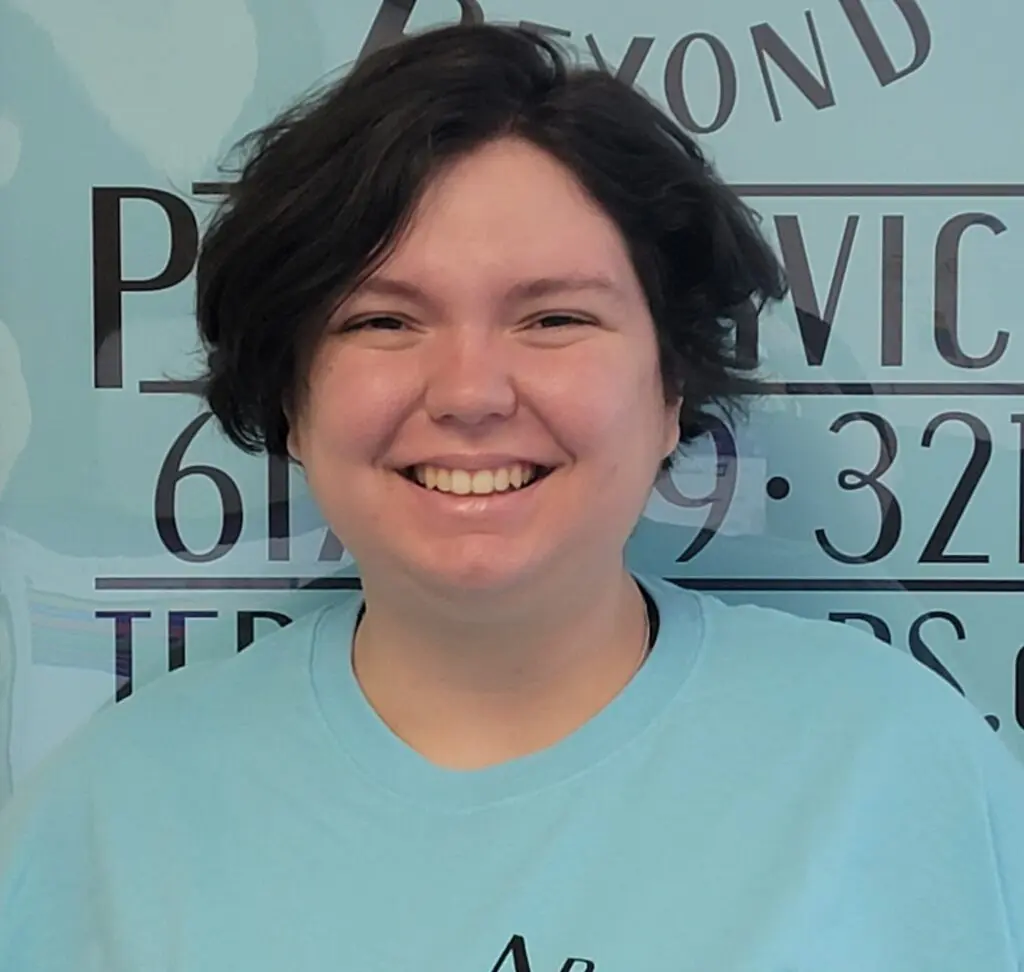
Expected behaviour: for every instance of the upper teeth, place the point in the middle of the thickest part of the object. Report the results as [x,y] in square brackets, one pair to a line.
[480,483]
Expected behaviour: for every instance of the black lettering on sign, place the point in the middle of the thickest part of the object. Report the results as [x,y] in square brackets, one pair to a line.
[177,627]
[871,42]
[632,62]
[747,353]
[123,649]
[718,499]
[389,25]
[515,951]
[278,509]
[922,652]
[176,621]
[878,626]
[172,472]
[1018,420]
[814,84]
[728,85]
[947,292]
[108,284]
[935,549]
[1018,695]
[815,324]
[893,277]
[891,516]
[768,44]
[815,319]
[232,505]
[247,625]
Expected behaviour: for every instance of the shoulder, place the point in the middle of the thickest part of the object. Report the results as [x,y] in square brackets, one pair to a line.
[230,691]
[777,696]
[834,677]
[195,715]
[205,738]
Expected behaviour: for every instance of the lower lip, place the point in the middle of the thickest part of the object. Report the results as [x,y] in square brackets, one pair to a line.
[472,504]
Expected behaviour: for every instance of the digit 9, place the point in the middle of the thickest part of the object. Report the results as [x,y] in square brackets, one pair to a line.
[718,500]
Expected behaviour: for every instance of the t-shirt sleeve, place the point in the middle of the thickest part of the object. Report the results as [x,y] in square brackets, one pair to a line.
[1004,785]
[925,866]
[956,868]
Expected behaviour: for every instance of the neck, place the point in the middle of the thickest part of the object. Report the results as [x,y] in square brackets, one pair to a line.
[468,692]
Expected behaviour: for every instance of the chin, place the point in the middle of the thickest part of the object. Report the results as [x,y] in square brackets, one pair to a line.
[488,573]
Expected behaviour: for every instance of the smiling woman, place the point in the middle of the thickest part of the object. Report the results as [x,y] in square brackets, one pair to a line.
[512,311]
[482,298]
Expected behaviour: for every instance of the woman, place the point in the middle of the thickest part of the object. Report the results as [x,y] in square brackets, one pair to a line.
[481,298]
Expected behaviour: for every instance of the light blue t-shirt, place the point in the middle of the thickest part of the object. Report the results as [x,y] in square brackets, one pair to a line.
[769,794]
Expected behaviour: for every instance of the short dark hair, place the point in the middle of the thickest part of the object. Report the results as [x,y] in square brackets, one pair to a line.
[325,189]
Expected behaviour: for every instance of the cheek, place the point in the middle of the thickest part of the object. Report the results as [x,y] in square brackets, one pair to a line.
[611,418]
[619,409]
[641,430]
[351,411]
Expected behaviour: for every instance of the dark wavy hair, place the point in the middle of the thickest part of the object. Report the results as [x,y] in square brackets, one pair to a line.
[326,188]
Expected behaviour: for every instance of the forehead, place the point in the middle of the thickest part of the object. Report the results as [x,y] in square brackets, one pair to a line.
[509,211]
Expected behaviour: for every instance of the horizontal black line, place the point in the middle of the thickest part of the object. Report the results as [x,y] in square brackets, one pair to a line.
[923,388]
[765,584]
[891,190]
[810,190]
[852,584]
[165,387]
[210,188]
[776,388]
[227,583]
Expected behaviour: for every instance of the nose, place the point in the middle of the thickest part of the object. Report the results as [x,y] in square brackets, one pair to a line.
[469,378]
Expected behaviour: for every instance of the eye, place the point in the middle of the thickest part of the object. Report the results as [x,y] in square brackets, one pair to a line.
[551,321]
[382,322]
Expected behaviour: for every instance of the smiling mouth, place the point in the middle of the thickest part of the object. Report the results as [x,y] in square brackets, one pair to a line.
[483,482]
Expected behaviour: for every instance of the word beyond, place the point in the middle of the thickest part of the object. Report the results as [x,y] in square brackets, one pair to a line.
[814,84]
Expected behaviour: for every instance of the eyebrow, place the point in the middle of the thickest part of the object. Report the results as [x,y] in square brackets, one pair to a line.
[523,290]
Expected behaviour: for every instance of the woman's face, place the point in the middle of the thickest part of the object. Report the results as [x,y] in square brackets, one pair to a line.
[505,349]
